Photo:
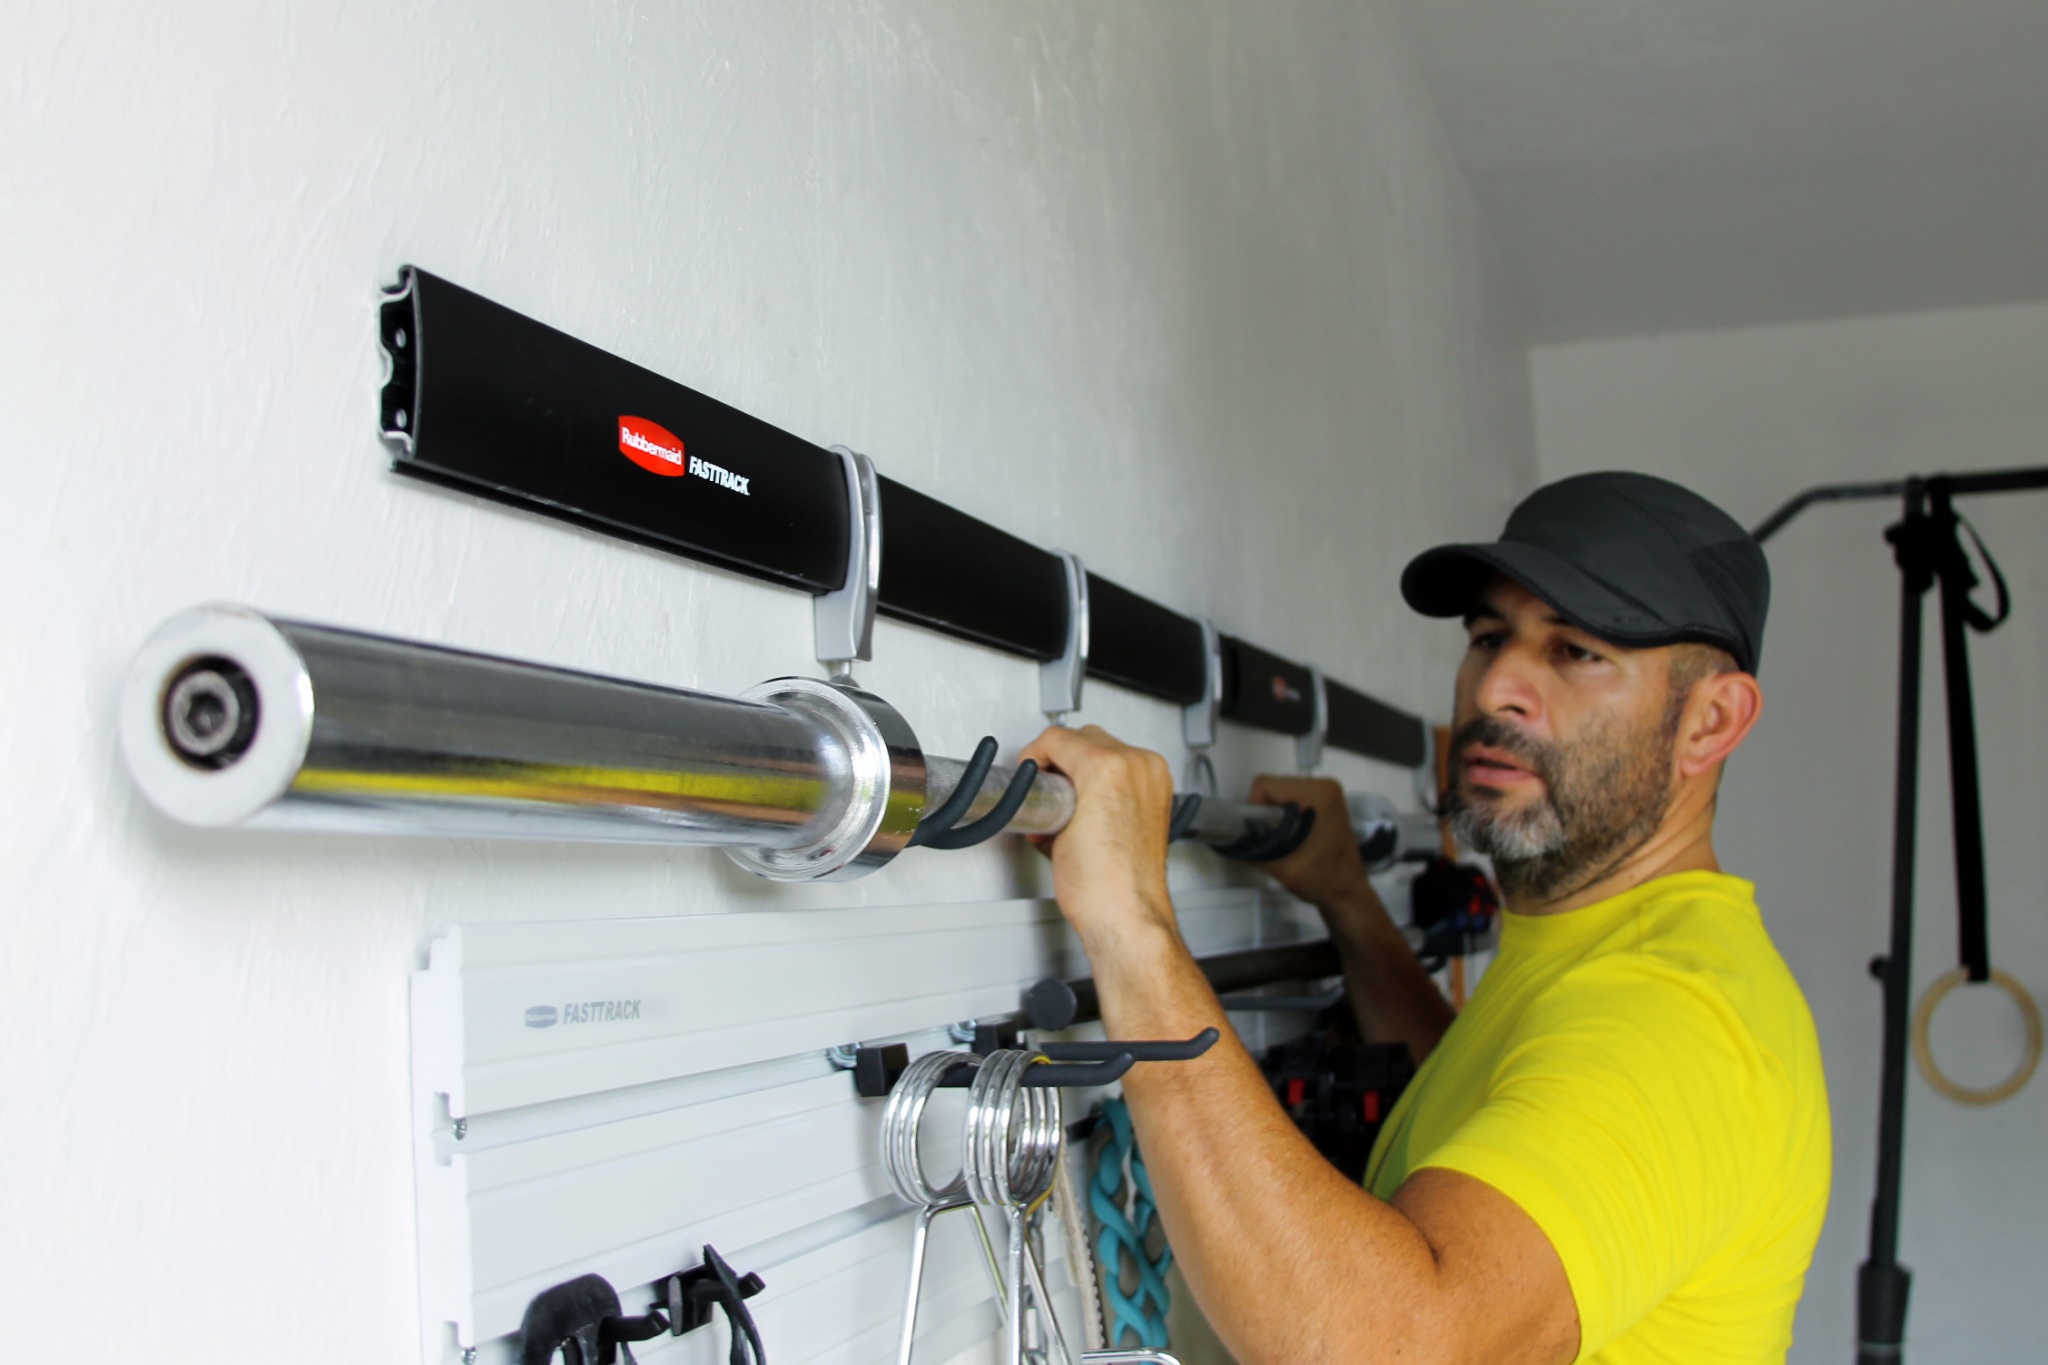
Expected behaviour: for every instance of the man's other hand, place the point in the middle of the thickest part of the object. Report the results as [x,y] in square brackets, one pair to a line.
[1326,870]
[1109,864]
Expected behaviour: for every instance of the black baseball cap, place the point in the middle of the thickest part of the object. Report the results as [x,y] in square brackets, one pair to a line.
[1636,560]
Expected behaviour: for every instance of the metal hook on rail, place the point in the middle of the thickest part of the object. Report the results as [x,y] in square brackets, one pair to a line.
[1198,718]
[1116,1049]
[1060,679]
[843,620]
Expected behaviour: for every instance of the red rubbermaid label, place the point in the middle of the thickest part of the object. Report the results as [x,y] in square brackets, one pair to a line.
[653,447]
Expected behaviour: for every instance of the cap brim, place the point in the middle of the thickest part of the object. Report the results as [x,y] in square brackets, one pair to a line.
[1448,581]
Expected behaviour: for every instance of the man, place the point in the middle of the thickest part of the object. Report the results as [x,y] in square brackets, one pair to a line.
[1619,1151]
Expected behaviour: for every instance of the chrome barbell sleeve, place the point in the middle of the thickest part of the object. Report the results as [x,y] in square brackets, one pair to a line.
[233,718]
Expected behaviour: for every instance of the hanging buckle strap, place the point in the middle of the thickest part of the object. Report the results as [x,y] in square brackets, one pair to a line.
[1960,615]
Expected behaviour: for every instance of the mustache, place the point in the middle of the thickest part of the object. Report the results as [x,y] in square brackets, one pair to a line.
[1495,733]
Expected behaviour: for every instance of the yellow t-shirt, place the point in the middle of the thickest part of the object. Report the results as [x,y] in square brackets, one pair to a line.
[1642,1078]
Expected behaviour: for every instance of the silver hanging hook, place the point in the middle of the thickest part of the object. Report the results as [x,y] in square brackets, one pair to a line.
[1198,718]
[1009,1152]
[904,1165]
[843,620]
[1059,680]
[1308,748]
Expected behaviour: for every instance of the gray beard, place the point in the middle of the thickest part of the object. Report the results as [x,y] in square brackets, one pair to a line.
[1603,796]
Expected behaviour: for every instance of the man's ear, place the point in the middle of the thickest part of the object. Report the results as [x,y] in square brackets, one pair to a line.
[1719,715]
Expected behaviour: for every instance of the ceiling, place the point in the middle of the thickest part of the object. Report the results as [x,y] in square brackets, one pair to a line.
[1665,165]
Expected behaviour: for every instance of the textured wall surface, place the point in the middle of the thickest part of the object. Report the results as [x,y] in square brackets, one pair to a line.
[1191,288]
[1749,418]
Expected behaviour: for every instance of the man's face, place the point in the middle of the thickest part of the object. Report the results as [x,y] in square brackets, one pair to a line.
[1561,755]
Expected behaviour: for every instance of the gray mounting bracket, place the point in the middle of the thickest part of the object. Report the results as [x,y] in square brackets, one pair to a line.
[1198,718]
[1308,748]
[1059,680]
[843,620]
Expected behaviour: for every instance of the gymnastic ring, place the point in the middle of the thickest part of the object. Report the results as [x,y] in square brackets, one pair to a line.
[1923,1050]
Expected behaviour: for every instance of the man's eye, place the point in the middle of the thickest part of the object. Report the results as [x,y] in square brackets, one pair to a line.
[1579,654]
[1488,639]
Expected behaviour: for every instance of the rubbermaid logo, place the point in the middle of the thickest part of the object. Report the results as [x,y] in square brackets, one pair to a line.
[651,446]
[540,1016]
[657,449]
[1283,691]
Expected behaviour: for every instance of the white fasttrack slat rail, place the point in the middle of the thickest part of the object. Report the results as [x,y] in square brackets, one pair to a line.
[607,1096]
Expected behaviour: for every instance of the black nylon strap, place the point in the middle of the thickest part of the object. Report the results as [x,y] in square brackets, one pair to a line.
[1960,615]
[746,1337]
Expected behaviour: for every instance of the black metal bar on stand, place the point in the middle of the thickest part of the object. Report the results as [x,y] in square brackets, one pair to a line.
[1882,1284]
[1966,804]
[1926,543]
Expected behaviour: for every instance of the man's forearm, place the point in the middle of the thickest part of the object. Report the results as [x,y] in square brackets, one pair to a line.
[1277,1245]
[1392,998]
[1294,1264]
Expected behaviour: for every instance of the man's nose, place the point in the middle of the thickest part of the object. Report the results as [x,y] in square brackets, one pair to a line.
[1507,685]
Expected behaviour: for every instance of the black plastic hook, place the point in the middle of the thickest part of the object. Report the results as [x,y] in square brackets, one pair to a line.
[1296,821]
[692,1294]
[1052,1075]
[990,825]
[1163,1051]
[876,1069]
[582,1322]
[948,812]
[938,827]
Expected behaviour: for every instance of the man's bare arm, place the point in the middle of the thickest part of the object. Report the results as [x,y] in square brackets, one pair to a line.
[1292,1263]
[1391,996]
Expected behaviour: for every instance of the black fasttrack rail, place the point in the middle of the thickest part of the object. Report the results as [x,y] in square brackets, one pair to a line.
[489,401]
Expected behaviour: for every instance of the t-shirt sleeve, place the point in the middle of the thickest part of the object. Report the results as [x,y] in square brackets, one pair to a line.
[1623,1118]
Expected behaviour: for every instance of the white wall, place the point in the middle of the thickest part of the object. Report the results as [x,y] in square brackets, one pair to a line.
[1191,288]
[1748,418]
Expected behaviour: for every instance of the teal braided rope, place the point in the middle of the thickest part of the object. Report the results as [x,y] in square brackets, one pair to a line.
[1142,1313]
